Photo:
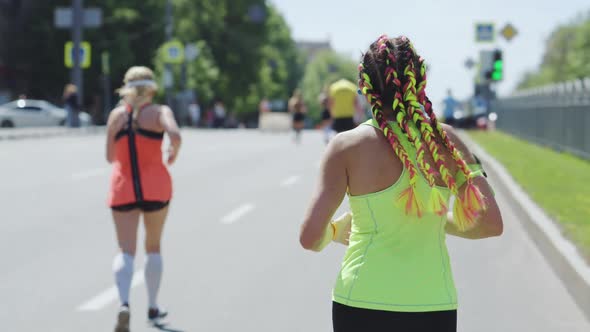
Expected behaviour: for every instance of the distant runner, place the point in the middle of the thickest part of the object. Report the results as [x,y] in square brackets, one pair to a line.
[298,109]
[343,105]
[140,184]
[326,123]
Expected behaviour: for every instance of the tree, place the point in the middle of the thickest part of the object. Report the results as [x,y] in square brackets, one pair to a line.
[250,45]
[567,55]
[132,31]
[245,48]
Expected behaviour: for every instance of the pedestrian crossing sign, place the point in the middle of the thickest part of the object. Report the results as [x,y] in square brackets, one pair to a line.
[173,52]
[484,32]
[85,54]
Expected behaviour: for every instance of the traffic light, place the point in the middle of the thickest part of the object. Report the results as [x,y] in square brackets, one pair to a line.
[497,67]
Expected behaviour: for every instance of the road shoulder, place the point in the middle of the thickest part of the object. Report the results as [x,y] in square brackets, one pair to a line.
[562,255]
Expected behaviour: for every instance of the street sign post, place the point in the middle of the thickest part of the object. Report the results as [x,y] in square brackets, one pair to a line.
[77,18]
[105,58]
[105,62]
[484,32]
[63,17]
[191,52]
[173,52]
[486,61]
[508,32]
[85,52]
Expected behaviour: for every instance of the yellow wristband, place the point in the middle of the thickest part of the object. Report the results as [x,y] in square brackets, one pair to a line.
[342,228]
[326,238]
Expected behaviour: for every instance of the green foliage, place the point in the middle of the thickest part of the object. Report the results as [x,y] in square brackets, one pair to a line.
[559,186]
[567,55]
[324,69]
[248,58]
[131,32]
[245,48]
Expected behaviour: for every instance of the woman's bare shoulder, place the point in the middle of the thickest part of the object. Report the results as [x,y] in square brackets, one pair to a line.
[117,112]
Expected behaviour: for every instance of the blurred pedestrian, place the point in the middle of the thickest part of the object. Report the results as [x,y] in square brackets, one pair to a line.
[396,274]
[219,113]
[70,99]
[194,111]
[326,123]
[297,108]
[264,106]
[449,110]
[343,105]
[140,183]
[209,117]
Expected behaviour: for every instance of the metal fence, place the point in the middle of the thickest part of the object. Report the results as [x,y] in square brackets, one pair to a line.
[557,115]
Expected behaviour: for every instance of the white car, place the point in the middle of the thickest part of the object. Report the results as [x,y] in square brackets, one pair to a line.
[35,113]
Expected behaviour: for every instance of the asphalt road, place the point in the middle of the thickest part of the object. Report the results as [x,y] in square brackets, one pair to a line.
[231,252]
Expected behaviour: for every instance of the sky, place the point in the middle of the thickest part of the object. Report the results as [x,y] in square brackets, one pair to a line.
[443,32]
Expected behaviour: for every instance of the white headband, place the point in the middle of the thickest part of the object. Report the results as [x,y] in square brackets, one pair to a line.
[136,83]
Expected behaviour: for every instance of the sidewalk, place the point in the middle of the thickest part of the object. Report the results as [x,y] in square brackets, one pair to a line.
[562,255]
[44,132]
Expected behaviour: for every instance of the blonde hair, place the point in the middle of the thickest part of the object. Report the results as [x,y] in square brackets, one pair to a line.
[137,73]
[135,95]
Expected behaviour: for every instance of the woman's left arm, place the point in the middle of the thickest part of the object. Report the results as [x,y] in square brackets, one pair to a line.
[328,196]
[170,127]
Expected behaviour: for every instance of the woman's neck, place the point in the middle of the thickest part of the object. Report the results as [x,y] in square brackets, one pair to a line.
[140,102]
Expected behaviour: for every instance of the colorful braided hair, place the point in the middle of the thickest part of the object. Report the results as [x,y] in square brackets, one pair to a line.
[392,74]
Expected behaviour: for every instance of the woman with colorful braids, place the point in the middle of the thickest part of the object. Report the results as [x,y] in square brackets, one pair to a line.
[399,171]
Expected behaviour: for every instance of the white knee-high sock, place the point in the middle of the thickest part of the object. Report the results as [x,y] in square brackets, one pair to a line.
[123,269]
[153,275]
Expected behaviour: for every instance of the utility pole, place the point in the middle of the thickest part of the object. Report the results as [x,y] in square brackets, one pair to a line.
[77,24]
[168,77]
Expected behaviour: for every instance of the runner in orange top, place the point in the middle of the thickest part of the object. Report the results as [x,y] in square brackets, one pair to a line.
[140,183]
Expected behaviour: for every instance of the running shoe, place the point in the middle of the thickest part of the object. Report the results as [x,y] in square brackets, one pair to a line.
[155,314]
[123,320]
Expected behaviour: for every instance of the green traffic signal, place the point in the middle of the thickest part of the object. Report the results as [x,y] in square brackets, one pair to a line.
[497,72]
[498,65]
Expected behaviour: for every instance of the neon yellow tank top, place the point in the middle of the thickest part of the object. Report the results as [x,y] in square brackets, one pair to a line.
[395,262]
[343,94]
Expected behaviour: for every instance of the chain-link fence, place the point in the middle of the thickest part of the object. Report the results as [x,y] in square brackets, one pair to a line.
[557,115]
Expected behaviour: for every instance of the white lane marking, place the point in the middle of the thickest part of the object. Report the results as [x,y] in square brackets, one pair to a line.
[89,173]
[290,181]
[110,295]
[237,213]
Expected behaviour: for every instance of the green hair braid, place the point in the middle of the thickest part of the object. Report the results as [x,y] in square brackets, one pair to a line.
[412,203]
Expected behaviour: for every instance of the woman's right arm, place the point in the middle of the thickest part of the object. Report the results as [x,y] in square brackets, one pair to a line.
[168,122]
[490,223]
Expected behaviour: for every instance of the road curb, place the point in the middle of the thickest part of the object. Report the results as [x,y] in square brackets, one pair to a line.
[37,133]
[561,253]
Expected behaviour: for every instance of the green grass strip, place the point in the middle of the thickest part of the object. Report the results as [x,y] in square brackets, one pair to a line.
[558,182]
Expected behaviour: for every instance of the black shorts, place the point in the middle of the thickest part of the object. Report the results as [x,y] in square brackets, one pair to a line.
[349,319]
[145,206]
[343,124]
[298,117]
[326,115]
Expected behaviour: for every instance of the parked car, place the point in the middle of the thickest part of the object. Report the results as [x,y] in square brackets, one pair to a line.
[35,113]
